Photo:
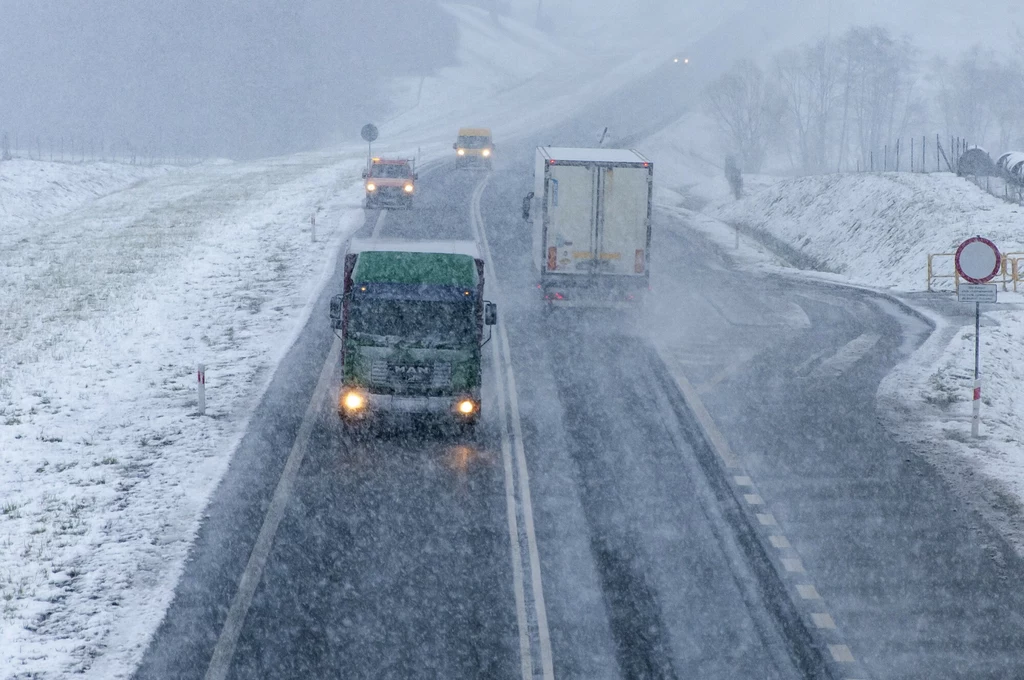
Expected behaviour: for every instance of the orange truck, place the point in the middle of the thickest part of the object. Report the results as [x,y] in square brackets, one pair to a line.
[473,146]
[390,183]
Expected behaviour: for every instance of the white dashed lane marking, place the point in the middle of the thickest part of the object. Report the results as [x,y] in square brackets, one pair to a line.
[823,620]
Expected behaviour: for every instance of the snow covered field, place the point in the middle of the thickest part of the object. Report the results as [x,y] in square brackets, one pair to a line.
[107,306]
[876,230]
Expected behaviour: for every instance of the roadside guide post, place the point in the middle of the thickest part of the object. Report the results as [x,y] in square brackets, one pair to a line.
[977,262]
[369,134]
[312,226]
[201,386]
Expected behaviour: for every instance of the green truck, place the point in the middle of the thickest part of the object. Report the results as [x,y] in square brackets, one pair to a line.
[411,319]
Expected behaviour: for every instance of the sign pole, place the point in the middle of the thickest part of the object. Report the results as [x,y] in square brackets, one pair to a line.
[977,262]
[976,419]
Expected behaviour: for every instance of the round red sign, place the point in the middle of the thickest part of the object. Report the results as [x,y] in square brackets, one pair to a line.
[977,260]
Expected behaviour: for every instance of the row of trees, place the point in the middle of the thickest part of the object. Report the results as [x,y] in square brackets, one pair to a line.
[831,104]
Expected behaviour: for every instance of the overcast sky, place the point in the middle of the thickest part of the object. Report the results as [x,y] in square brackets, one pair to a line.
[236,78]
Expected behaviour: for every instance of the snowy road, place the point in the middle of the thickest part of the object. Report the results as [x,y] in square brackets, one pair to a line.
[392,558]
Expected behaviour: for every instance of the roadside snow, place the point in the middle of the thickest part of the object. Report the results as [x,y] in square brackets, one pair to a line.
[106,310]
[876,230]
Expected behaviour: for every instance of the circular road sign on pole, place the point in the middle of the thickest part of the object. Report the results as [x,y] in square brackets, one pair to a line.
[977,260]
[369,132]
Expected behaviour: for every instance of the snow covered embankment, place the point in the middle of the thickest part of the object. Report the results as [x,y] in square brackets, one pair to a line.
[876,230]
[107,301]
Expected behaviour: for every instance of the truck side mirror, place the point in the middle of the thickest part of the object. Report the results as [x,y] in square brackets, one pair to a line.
[415,175]
[455,145]
[490,313]
[337,306]
[365,174]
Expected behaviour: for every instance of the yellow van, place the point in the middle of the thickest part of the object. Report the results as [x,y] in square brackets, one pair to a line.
[473,147]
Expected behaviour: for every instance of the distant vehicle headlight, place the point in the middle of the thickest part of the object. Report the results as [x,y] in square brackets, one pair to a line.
[408,188]
[353,401]
[370,186]
[461,152]
[486,153]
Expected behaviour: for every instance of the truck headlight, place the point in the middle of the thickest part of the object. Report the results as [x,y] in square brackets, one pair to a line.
[370,186]
[352,401]
[409,188]
[466,407]
[486,152]
[461,152]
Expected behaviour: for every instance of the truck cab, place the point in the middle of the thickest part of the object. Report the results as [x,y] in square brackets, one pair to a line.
[390,183]
[411,319]
[474,146]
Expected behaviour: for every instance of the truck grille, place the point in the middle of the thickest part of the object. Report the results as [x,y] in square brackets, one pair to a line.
[424,376]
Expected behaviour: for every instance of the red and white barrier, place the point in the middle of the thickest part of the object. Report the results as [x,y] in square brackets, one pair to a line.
[976,418]
[201,386]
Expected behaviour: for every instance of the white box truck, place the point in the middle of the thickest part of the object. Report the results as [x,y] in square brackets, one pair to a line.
[592,225]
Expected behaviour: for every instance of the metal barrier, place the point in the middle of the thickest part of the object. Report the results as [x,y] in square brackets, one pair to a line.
[1010,270]
[932,276]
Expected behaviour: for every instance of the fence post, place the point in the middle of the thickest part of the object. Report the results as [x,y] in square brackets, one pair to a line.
[911,154]
[924,142]
[938,168]
[871,160]
[885,162]
[897,155]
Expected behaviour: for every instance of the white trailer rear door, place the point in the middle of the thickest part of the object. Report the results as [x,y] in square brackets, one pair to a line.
[622,234]
[571,218]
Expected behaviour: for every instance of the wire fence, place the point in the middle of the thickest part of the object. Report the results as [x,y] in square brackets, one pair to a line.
[939,154]
[85,149]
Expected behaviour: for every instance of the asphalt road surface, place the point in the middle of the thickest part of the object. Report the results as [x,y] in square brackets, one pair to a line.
[701,489]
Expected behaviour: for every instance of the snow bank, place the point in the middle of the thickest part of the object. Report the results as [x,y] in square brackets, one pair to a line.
[36,190]
[877,229]
[106,307]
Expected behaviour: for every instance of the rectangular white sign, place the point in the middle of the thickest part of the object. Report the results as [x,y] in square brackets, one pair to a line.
[977,292]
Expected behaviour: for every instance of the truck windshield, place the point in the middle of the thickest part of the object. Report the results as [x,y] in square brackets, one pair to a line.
[424,322]
[474,142]
[389,170]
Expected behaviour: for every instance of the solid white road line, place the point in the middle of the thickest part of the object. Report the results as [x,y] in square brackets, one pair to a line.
[220,663]
[381,218]
[536,582]
[696,406]
[525,655]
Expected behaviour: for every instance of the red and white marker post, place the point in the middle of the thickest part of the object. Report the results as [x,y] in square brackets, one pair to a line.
[201,387]
[977,262]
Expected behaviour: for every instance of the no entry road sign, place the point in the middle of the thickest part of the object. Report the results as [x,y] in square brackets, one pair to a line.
[977,260]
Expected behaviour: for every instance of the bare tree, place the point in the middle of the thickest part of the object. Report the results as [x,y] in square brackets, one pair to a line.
[810,79]
[965,93]
[748,109]
[879,98]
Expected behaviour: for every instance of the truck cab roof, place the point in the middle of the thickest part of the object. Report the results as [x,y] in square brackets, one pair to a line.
[566,154]
[474,132]
[416,267]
